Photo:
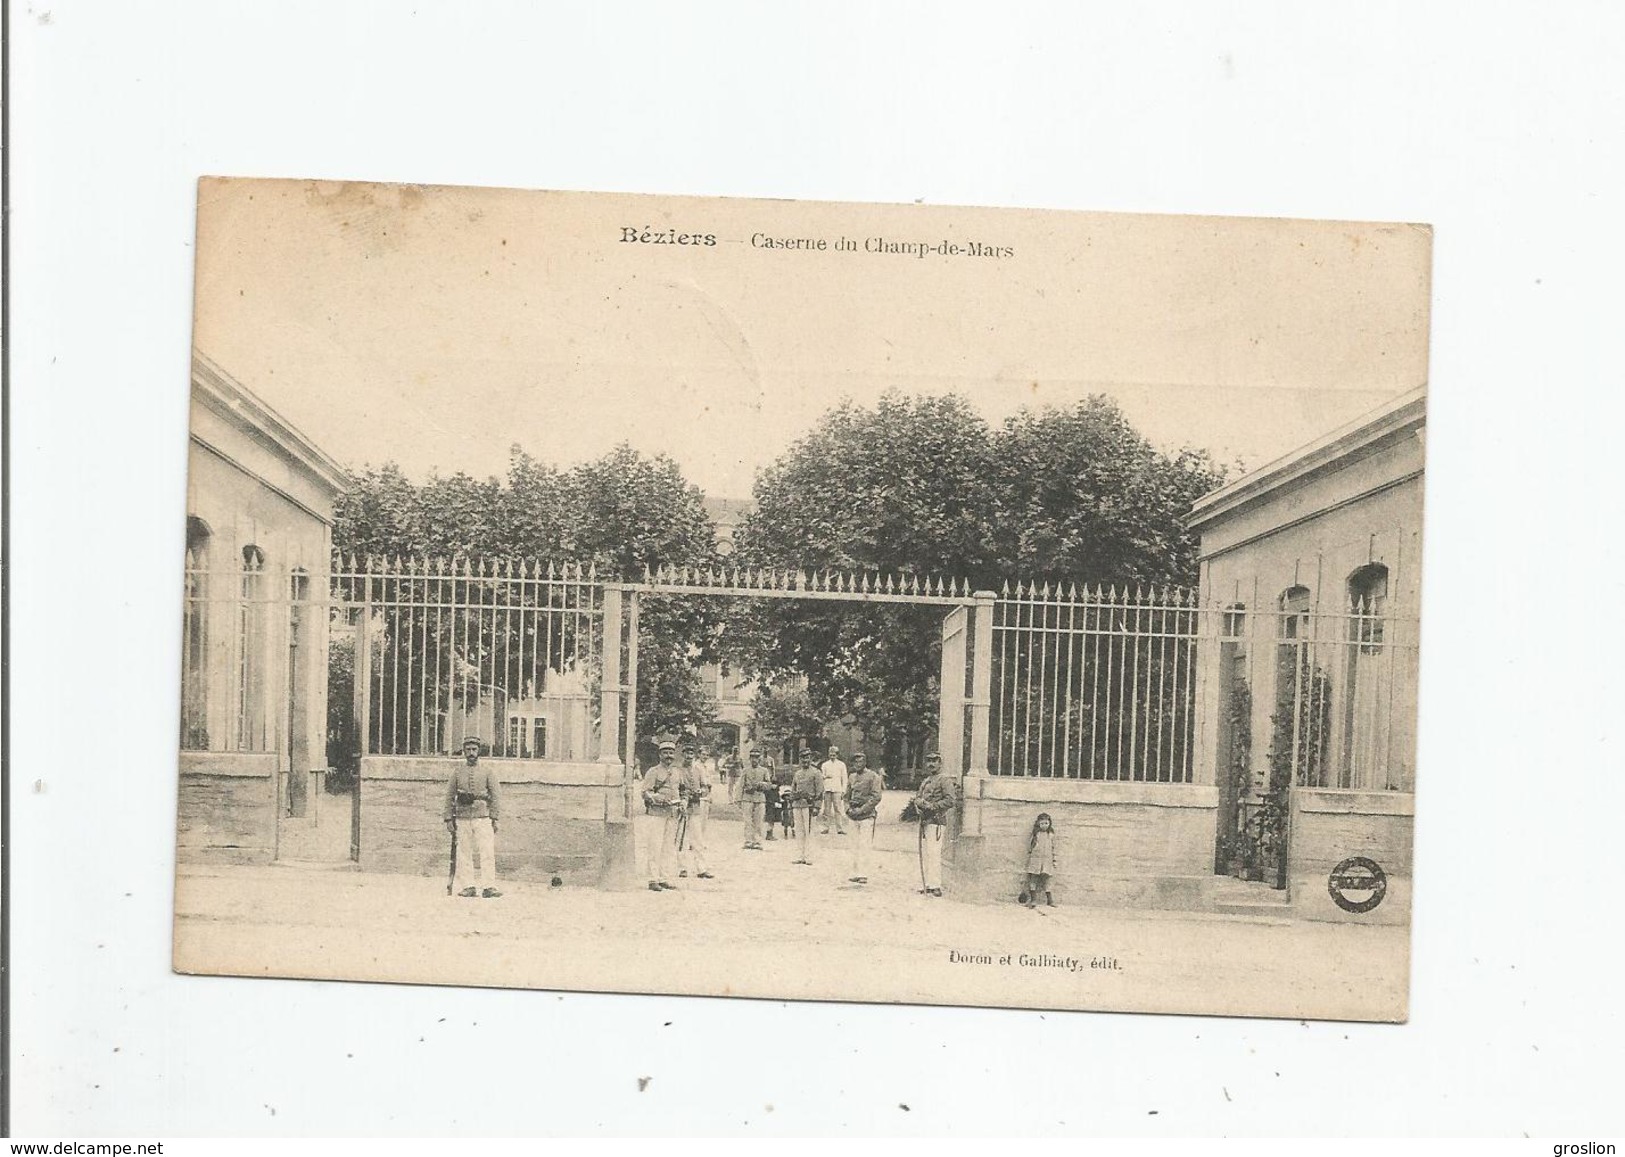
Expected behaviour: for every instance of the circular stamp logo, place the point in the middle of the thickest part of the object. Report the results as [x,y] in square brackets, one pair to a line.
[1357,884]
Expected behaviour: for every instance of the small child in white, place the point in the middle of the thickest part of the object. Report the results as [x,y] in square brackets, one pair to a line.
[1041,861]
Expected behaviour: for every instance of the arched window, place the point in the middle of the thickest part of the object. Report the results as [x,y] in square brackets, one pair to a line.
[1368,603]
[1294,612]
[251,660]
[1301,719]
[1368,672]
[195,639]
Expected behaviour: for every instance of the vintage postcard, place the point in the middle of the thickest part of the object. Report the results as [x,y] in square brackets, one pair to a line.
[890,603]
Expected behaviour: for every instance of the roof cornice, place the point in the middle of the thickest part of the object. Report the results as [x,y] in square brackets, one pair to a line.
[232,400]
[1398,417]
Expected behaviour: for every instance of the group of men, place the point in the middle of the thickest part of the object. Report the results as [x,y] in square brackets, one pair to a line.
[677,800]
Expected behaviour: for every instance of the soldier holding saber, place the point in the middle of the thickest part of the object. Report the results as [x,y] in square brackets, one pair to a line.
[933,802]
[662,805]
[473,806]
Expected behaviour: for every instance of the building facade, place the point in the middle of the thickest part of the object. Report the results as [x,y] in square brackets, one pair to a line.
[259,513]
[1308,688]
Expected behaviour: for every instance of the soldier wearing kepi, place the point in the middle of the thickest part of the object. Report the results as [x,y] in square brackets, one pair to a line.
[698,781]
[662,804]
[806,793]
[862,805]
[754,785]
[935,799]
[473,806]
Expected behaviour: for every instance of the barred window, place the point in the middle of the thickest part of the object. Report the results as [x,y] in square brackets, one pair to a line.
[251,723]
[1368,603]
[195,639]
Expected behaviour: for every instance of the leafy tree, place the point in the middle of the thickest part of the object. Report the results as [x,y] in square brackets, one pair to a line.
[1083,497]
[784,712]
[922,485]
[620,513]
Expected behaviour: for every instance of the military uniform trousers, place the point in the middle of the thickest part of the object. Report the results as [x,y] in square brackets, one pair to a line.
[691,857]
[755,805]
[931,854]
[803,812]
[476,838]
[658,840]
[863,847]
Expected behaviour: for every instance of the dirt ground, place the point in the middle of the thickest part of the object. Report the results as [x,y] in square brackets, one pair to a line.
[766,927]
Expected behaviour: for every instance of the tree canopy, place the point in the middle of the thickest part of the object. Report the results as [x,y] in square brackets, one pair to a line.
[923,485]
[913,485]
[621,512]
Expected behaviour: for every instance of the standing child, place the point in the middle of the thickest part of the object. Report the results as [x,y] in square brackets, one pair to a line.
[1041,862]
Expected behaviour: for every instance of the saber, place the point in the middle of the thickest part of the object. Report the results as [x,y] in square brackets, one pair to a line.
[451,876]
[682,826]
[921,856]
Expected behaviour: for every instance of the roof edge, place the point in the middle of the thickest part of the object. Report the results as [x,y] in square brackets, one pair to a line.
[1396,416]
[233,397]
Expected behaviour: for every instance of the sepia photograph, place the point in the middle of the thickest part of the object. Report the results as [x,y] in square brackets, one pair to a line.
[799,600]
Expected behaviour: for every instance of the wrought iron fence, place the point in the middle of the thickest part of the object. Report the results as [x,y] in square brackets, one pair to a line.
[1335,695]
[1104,684]
[236,626]
[506,651]
[1094,684]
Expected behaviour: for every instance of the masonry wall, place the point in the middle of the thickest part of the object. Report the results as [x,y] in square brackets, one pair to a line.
[1120,844]
[558,819]
[226,809]
[1328,827]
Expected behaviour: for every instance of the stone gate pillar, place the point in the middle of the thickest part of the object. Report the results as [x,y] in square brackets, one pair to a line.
[619,861]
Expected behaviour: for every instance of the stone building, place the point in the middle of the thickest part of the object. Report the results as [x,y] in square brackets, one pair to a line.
[1312,565]
[1249,746]
[259,514]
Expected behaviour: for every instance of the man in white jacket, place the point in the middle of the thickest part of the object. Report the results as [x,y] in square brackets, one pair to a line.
[834,790]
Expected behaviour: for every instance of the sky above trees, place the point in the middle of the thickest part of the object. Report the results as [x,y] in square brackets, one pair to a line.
[436,327]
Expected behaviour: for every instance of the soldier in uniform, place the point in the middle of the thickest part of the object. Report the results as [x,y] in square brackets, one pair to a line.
[806,793]
[698,780]
[862,806]
[662,802]
[473,806]
[933,802]
[754,785]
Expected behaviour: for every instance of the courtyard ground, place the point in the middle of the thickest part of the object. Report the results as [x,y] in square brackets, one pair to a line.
[765,927]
